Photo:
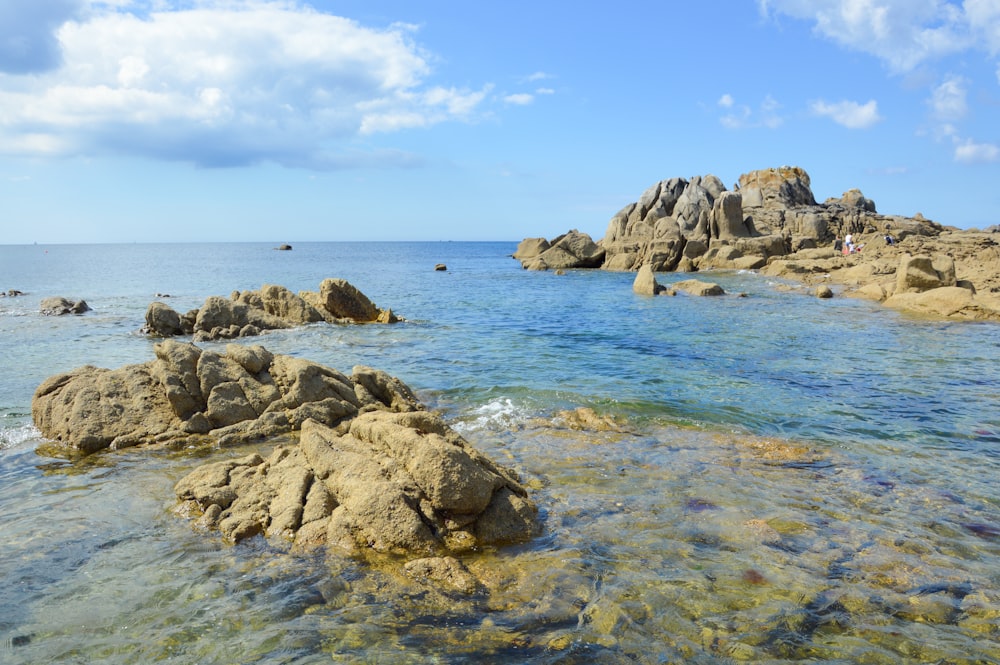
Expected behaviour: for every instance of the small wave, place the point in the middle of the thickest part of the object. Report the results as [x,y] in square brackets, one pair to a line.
[500,414]
[12,437]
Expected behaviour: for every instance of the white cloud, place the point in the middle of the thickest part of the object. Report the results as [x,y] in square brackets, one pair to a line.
[218,82]
[537,76]
[970,152]
[948,100]
[726,101]
[544,91]
[849,114]
[520,99]
[901,33]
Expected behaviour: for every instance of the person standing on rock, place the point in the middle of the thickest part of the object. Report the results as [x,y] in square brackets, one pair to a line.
[838,244]
[848,244]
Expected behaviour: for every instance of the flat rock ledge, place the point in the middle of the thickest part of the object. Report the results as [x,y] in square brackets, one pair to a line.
[188,395]
[395,483]
[273,307]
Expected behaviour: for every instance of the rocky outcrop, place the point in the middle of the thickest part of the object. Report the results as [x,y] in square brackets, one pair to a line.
[59,306]
[771,222]
[402,483]
[572,250]
[689,225]
[273,307]
[954,275]
[190,394]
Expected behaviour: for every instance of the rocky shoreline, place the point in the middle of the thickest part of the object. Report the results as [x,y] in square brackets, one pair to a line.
[771,223]
[371,469]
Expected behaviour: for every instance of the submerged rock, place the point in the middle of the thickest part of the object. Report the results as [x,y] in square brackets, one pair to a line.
[273,307]
[245,394]
[402,483]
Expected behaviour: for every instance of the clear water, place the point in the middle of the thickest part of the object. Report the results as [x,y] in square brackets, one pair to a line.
[794,479]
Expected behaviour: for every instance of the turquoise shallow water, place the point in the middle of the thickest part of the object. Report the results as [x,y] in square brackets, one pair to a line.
[796,479]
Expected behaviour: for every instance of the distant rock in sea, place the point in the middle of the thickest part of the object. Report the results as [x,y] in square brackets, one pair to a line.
[59,306]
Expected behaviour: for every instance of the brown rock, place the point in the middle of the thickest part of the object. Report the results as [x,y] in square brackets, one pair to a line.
[245,394]
[403,483]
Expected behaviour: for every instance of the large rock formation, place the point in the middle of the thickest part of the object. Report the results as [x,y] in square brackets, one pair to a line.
[402,483]
[187,393]
[272,307]
[687,225]
[772,223]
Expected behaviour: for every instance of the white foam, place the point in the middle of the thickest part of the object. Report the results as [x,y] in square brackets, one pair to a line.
[499,414]
[12,437]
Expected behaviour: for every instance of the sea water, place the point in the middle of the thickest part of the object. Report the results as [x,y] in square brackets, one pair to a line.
[787,478]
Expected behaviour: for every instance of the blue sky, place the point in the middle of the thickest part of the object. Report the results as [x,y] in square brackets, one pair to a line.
[288,120]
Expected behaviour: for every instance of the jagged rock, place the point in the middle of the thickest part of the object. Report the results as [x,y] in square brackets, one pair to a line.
[58,306]
[245,394]
[784,187]
[645,282]
[402,483]
[853,198]
[727,217]
[273,307]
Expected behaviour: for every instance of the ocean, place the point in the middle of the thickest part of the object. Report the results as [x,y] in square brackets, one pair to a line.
[788,479]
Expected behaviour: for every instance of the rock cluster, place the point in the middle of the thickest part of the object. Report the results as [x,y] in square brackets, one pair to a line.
[402,483]
[59,306]
[273,307]
[771,222]
[187,393]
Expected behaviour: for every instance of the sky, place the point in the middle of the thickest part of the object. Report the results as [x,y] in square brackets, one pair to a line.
[320,120]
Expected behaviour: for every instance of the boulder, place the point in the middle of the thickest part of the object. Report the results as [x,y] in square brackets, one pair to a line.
[187,393]
[529,248]
[824,291]
[58,306]
[923,273]
[697,287]
[401,483]
[568,251]
[645,282]
[162,321]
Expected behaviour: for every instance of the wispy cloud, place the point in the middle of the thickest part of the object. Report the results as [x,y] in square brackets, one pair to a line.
[901,33]
[214,82]
[849,114]
[743,116]
[948,100]
[519,99]
[970,152]
[536,76]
